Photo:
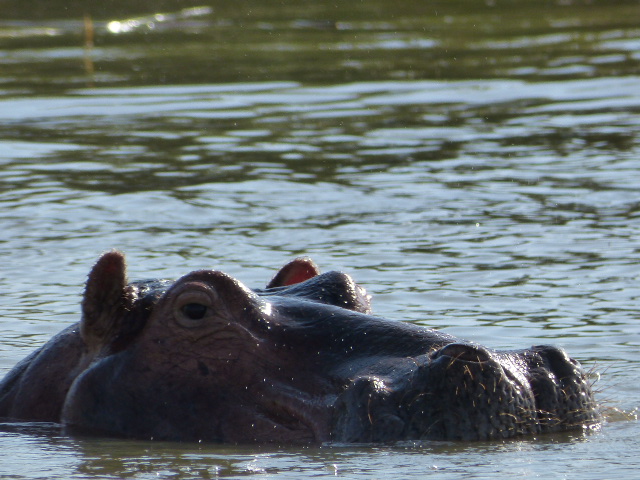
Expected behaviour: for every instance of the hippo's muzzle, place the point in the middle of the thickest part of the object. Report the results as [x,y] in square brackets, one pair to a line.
[464,391]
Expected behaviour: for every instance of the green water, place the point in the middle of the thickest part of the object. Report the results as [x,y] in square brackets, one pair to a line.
[474,165]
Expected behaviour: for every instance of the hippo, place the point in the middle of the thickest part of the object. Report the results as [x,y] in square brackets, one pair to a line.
[302,361]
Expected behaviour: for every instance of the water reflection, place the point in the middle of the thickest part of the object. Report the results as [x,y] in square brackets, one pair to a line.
[218,42]
[183,20]
[87,457]
[471,130]
[484,182]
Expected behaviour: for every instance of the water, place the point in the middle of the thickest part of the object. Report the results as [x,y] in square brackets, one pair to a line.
[474,166]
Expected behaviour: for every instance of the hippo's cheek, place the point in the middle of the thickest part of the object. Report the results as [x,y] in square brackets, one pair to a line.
[119,397]
[96,403]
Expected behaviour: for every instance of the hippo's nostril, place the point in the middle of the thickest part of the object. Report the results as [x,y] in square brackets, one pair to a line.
[562,392]
[557,361]
[466,352]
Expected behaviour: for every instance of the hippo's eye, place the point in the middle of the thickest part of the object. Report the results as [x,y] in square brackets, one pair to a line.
[194,311]
[193,307]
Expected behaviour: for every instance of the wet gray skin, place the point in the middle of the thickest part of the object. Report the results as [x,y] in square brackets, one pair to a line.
[302,361]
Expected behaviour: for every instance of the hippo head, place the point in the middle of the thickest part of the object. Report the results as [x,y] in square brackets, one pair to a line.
[202,358]
[302,361]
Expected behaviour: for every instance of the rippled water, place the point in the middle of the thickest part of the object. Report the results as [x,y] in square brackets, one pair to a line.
[476,168]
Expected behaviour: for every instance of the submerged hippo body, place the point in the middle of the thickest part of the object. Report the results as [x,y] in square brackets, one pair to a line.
[301,361]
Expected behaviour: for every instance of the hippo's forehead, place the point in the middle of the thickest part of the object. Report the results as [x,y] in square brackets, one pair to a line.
[333,288]
[148,292]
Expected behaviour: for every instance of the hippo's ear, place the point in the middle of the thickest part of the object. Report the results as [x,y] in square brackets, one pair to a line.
[105,300]
[296,271]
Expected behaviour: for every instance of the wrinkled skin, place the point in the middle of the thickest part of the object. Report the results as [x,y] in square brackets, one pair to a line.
[301,361]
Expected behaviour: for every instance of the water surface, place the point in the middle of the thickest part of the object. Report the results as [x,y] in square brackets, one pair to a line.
[474,166]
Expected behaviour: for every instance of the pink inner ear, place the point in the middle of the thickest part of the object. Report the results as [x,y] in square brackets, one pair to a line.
[298,276]
[296,271]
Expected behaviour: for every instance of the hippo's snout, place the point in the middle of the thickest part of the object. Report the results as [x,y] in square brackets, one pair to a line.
[464,391]
[561,389]
[488,394]
[463,352]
